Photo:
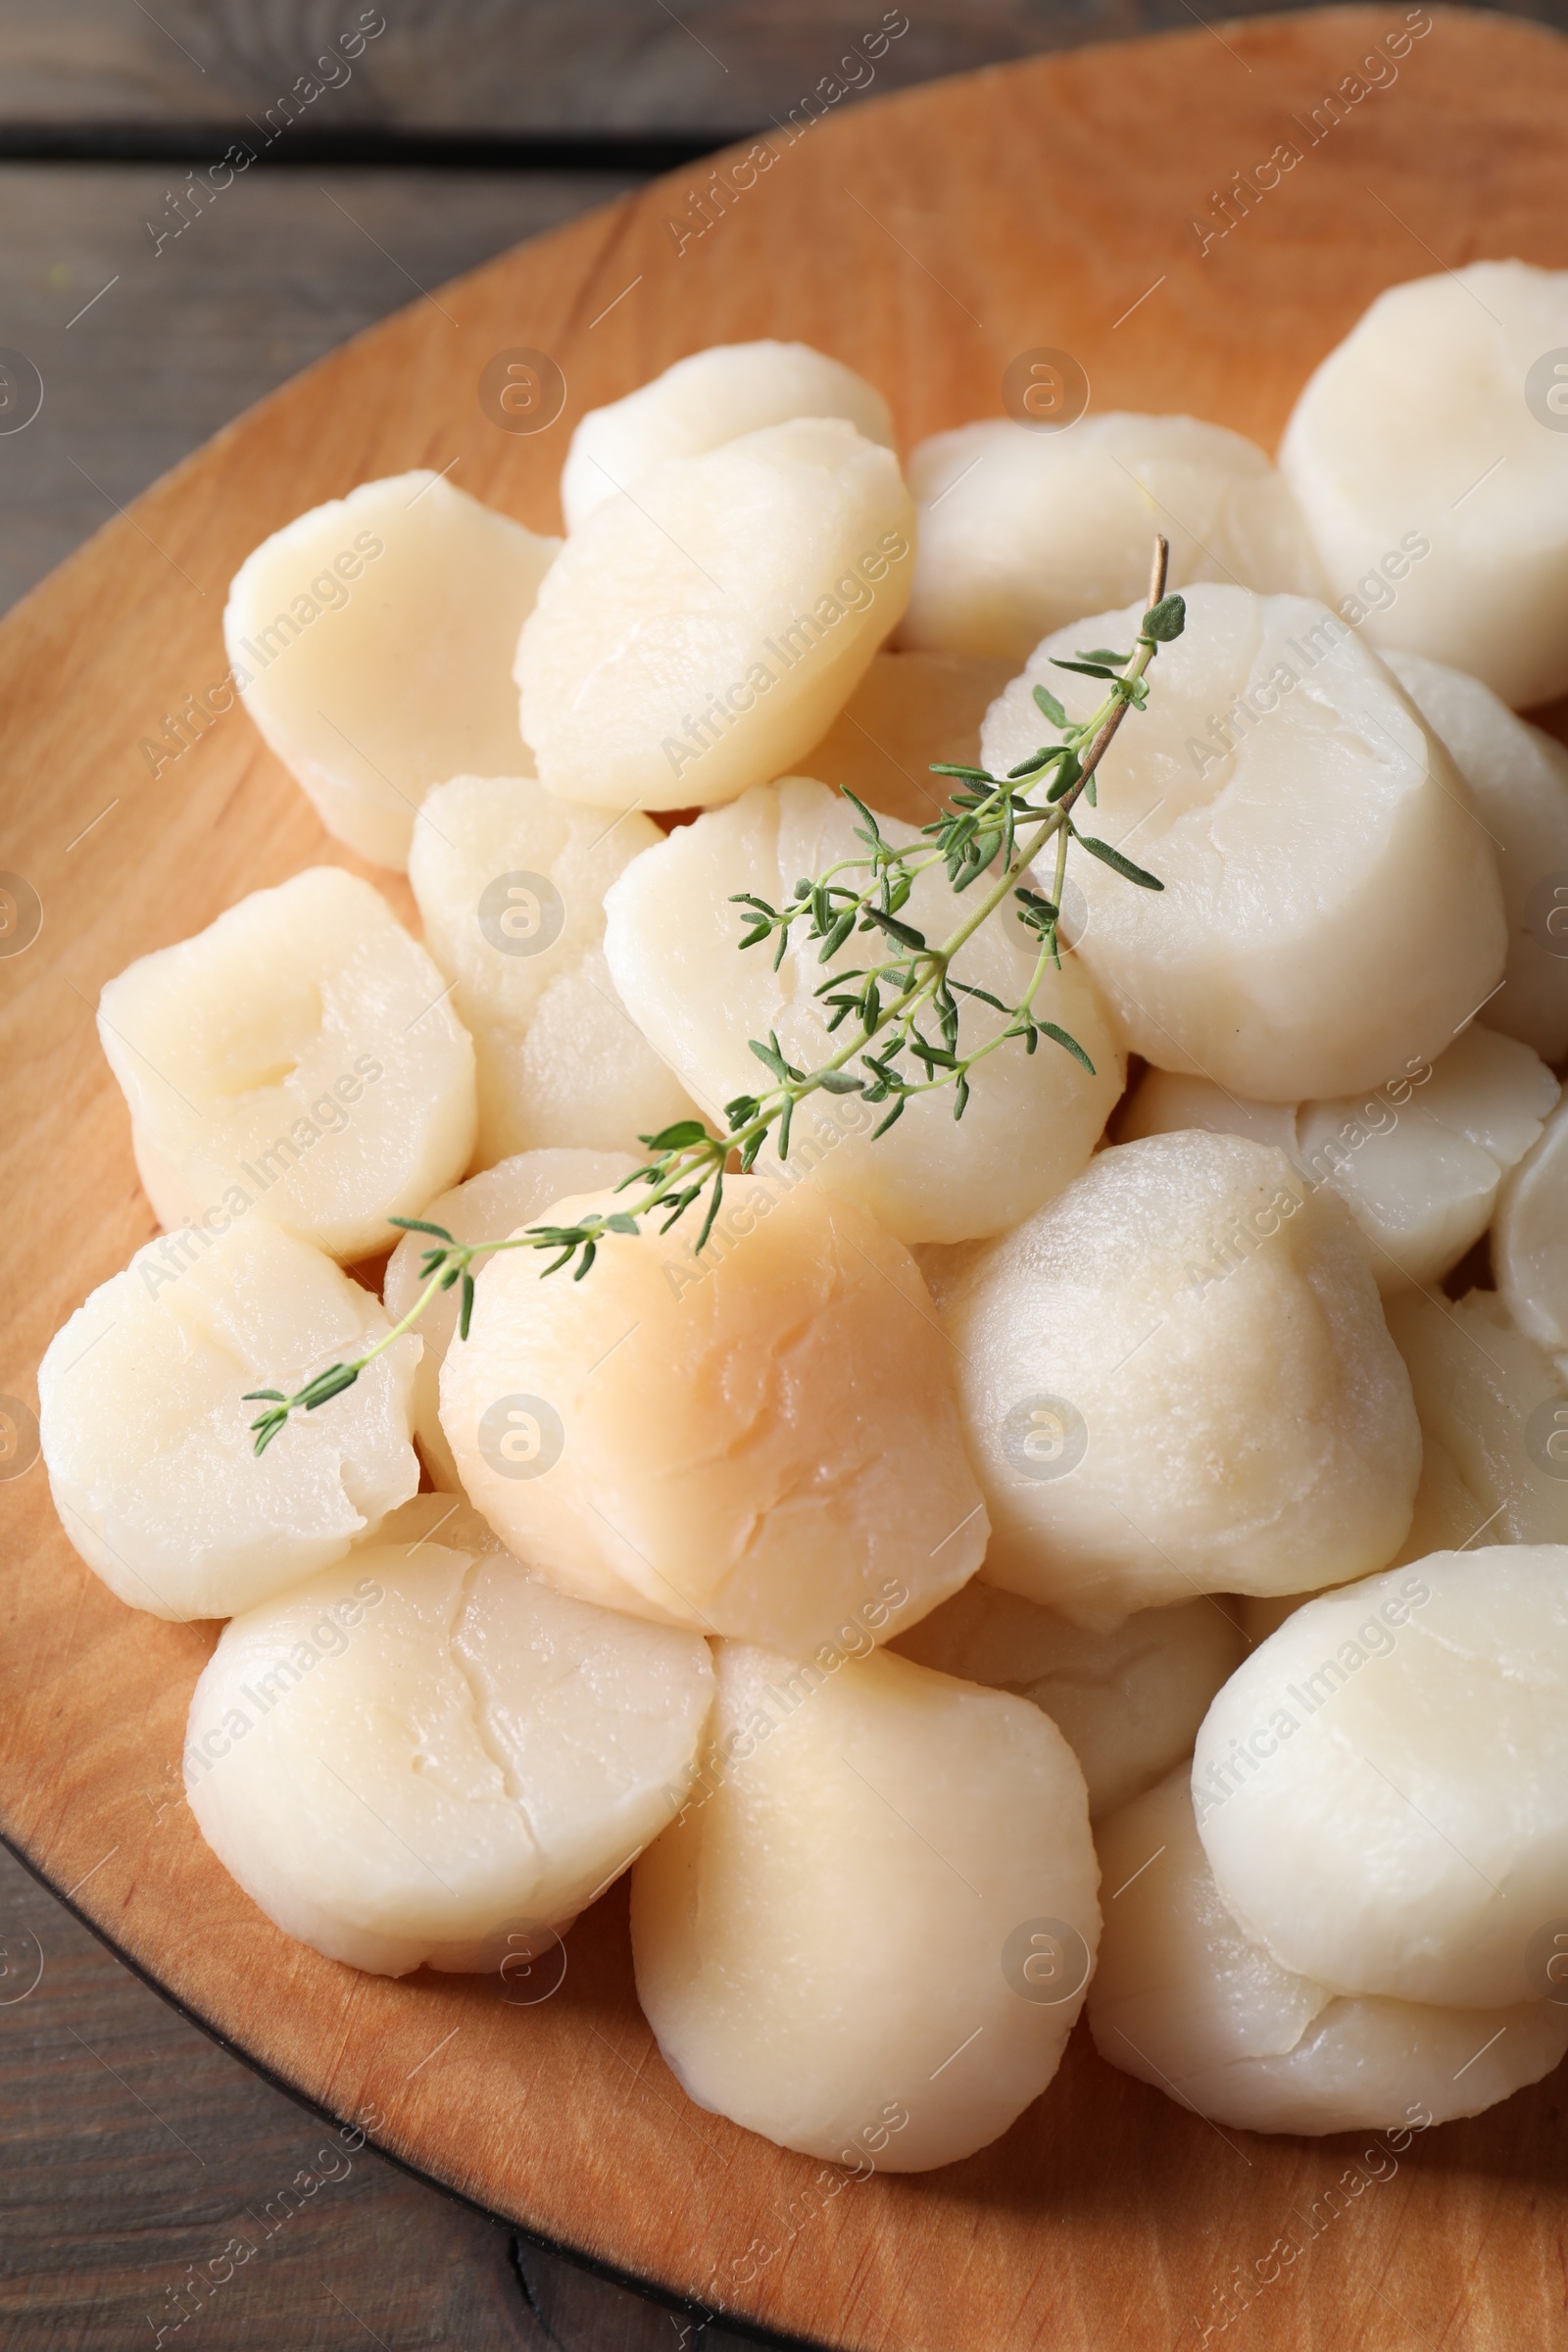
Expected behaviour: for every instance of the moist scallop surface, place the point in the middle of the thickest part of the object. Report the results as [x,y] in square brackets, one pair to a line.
[1184,2000]
[868,1933]
[1441,408]
[374,636]
[510,887]
[500,1200]
[298,1061]
[697,638]
[147,1431]
[1329,906]
[702,402]
[1382,1789]
[425,1753]
[1022,530]
[762,1441]
[1176,1377]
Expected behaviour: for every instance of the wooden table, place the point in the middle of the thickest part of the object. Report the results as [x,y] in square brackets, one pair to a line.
[132,2143]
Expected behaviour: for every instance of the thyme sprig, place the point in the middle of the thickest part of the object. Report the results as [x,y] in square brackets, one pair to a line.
[902,1008]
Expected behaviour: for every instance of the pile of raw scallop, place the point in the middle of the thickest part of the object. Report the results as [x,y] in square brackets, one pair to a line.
[1111,1550]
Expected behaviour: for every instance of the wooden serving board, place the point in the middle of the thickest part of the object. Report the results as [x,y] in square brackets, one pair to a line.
[927,240]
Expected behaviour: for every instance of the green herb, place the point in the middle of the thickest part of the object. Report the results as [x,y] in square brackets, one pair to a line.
[902,1010]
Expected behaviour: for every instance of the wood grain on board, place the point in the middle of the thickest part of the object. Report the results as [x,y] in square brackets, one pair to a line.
[927,241]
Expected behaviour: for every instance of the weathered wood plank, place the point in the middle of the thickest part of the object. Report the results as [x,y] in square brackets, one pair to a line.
[283,268]
[611,64]
[713,66]
[134,2153]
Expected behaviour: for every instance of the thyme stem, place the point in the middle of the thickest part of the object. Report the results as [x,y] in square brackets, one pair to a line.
[988,819]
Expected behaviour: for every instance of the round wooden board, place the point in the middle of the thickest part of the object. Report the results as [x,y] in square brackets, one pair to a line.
[927,241]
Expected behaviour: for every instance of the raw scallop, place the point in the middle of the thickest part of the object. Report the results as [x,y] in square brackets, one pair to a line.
[1175,1378]
[1331,906]
[1530,1241]
[297,1058]
[373,639]
[1382,1790]
[762,1441]
[673,944]
[714,396]
[1023,530]
[1517,777]
[868,1935]
[147,1437]
[1184,2000]
[514,1192]
[1418,1161]
[427,1759]
[698,638]
[511,884]
[1496,1405]
[1426,456]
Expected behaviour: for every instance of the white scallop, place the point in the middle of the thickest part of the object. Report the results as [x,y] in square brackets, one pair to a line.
[761,1442]
[1175,1378]
[1165,1101]
[514,1192]
[1530,1240]
[1183,1999]
[1496,1405]
[1446,1518]
[1128,1701]
[1331,904]
[714,396]
[673,946]
[1517,777]
[427,1759]
[1382,1790]
[376,635]
[511,884]
[697,638]
[1421,1175]
[833,1945]
[297,1058]
[1418,1161]
[1023,530]
[1440,421]
[147,1437]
